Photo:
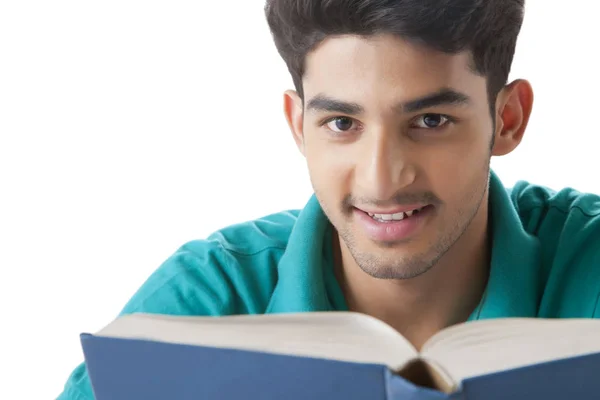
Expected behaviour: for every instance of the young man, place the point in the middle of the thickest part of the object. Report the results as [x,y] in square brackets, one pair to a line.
[399,106]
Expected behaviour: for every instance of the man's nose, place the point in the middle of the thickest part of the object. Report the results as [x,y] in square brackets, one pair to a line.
[385,164]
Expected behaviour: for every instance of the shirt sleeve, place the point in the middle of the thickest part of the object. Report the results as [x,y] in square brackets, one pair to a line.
[571,255]
[193,281]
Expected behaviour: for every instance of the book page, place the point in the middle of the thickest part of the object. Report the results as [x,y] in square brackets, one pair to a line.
[343,336]
[482,347]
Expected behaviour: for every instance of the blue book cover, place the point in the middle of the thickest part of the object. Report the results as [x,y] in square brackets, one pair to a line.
[138,364]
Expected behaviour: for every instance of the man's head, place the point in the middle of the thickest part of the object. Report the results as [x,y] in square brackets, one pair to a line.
[399,105]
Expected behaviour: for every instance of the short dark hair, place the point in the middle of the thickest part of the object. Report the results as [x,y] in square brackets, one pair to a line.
[486,28]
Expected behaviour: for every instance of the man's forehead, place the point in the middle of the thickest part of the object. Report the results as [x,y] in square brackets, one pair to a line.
[382,58]
[390,71]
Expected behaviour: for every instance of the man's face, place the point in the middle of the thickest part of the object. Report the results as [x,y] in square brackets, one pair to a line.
[389,127]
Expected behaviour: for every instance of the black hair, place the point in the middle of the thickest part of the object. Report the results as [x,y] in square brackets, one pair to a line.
[486,28]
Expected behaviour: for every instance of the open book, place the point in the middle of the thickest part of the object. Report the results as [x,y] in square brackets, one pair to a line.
[451,356]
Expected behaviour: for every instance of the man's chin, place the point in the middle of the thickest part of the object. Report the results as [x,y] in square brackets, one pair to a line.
[396,271]
[393,260]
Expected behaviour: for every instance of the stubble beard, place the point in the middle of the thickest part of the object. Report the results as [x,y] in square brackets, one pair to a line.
[412,266]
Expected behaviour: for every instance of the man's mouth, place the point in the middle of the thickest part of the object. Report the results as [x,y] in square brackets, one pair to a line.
[399,216]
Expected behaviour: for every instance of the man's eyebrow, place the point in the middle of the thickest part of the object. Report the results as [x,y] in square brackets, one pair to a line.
[322,103]
[446,96]
[442,97]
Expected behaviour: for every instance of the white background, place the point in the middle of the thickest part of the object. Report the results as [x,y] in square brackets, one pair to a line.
[130,127]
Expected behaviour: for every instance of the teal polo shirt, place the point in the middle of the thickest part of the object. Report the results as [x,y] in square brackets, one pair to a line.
[545,262]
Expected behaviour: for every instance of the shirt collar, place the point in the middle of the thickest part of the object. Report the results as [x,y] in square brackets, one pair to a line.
[513,288]
[305,271]
[307,281]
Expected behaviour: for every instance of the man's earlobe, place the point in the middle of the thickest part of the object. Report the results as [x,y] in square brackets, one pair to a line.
[513,109]
[292,107]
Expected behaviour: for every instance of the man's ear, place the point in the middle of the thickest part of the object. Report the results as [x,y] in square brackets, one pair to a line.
[292,107]
[513,109]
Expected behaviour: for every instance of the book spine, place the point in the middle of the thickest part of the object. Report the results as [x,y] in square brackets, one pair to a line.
[399,388]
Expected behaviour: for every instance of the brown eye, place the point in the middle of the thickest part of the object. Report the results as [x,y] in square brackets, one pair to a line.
[431,121]
[340,124]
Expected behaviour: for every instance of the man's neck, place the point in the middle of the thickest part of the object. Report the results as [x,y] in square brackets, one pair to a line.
[420,307]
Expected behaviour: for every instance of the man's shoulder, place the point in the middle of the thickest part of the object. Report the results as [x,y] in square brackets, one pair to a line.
[232,271]
[539,205]
[269,232]
[566,224]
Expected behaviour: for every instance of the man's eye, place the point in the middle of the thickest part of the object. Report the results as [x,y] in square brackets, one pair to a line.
[339,124]
[431,121]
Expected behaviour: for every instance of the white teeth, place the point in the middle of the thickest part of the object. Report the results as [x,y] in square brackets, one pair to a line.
[398,216]
[395,217]
[389,217]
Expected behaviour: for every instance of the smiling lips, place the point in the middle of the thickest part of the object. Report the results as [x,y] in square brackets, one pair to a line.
[395,225]
[399,216]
